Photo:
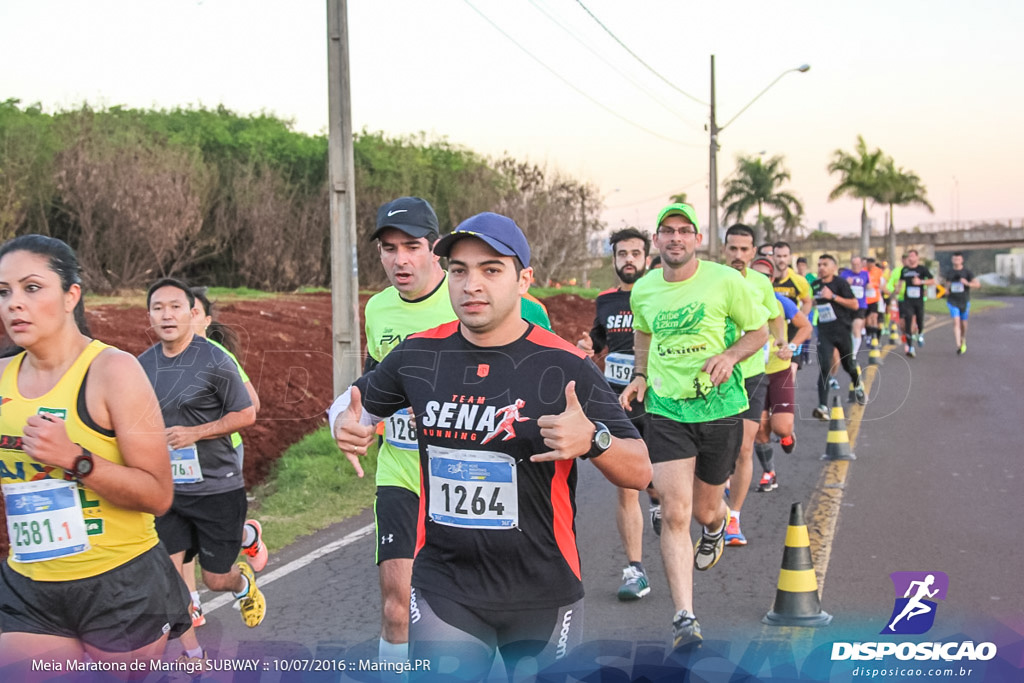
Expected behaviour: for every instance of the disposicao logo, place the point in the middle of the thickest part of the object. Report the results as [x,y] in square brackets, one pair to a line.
[914,612]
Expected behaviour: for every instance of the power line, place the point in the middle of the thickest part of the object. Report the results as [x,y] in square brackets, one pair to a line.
[614,68]
[637,57]
[665,194]
[578,90]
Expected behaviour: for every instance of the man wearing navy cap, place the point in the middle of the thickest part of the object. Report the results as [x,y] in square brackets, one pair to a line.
[503,411]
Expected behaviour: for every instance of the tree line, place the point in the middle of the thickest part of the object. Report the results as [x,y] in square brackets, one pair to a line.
[242,200]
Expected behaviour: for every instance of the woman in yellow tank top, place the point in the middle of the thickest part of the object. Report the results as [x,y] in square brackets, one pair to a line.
[84,468]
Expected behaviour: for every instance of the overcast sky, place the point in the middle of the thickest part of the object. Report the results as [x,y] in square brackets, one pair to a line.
[935,84]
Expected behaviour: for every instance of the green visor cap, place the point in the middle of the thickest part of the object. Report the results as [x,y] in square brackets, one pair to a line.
[680,209]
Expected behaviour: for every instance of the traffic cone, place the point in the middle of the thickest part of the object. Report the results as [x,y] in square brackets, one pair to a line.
[874,355]
[838,447]
[796,598]
[894,332]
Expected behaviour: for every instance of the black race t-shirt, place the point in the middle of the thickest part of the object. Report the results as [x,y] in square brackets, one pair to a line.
[613,328]
[832,315]
[495,529]
[959,293]
[912,292]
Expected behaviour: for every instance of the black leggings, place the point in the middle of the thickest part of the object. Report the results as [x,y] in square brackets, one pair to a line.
[828,340]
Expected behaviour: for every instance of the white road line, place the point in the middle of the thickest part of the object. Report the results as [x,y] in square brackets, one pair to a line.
[264,579]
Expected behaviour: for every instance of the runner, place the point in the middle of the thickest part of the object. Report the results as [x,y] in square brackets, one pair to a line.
[203,401]
[797,289]
[803,270]
[613,329]
[913,277]
[834,302]
[225,338]
[739,252]
[497,566]
[780,403]
[858,278]
[960,282]
[687,321]
[84,468]
[875,295]
[417,300]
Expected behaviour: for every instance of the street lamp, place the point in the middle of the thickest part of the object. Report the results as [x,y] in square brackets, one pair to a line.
[713,165]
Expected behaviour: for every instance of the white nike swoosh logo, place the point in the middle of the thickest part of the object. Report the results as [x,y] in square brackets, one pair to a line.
[392,213]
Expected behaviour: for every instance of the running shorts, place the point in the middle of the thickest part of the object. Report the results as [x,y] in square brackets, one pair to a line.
[207,527]
[757,389]
[120,610]
[395,511]
[715,444]
[781,395]
[958,311]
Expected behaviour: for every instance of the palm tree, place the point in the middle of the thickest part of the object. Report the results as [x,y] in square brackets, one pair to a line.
[757,183]
[858,179]
[898,187]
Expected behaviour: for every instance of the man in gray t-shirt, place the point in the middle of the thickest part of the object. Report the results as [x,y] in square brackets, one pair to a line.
[203,401]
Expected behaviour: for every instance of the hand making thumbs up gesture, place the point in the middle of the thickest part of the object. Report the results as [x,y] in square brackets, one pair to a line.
[351,436]
[567,434]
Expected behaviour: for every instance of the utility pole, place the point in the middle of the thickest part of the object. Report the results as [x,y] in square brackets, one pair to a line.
[344,259]
[713,176]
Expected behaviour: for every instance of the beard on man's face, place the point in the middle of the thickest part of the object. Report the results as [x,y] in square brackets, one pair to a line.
[629,276]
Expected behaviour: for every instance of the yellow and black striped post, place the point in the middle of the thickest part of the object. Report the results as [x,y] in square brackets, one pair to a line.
[894,332]
[796,599]
[838,446]
[874,355]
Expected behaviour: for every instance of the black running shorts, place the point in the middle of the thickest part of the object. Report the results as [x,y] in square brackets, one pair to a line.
[121,610]
[395,512]
[207,527]
[757,389]
[716,445]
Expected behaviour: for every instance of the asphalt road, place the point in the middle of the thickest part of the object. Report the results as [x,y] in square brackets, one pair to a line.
[935,487]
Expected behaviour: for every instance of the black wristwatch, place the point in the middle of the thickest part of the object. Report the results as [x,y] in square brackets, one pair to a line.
[83,464]
[601,442]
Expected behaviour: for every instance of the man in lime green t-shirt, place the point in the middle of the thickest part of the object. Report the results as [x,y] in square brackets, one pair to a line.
[417,300]
[693,321]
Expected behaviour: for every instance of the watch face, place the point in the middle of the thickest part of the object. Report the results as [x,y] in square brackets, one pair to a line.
[603,438]
[83,466]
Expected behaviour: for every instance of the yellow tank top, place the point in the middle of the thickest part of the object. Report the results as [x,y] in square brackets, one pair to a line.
[114,535]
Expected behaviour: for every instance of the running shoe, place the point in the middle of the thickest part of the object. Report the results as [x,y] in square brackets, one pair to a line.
[920,340]
[197,615]
[862,397]
[963,348]
[708,550]
[656,518]
[768,483]
[685,630]
[911,353]
[852,396]
[256,554]
[788,443]
[252,605]
[821,412]
[733,535]
[634,584]
[833,383]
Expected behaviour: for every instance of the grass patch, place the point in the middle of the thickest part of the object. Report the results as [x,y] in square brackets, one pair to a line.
[939,307]
[312,486]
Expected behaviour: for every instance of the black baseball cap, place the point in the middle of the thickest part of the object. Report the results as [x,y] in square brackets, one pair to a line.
[412,215]
[500,232]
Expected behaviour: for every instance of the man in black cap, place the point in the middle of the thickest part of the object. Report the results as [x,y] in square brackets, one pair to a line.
[417,300]
[503,410]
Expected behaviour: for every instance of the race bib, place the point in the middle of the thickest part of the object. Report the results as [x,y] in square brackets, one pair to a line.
[913,292]
[871,292]
[956,287]
[473,489]
[618,367]
[826,314]
[44,520]
[400,432]
[881,305]
[858,291]
[185,467]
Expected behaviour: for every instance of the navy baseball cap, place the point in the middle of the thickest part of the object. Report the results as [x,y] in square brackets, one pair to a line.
[412,215]
[500,232]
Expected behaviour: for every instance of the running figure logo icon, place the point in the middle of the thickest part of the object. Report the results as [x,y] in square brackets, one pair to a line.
[914,613]
[509,416]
